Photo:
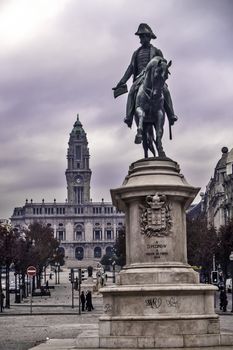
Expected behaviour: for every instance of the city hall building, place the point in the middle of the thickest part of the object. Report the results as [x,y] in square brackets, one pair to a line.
[86,230]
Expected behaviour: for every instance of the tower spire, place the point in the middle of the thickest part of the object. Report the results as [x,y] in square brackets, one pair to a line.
[78,173]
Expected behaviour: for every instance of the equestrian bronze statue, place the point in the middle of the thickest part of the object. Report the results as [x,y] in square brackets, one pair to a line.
[149,98]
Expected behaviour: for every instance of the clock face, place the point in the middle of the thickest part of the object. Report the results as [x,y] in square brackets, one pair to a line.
[78,179]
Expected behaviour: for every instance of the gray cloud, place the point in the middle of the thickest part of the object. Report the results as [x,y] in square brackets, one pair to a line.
[68,63]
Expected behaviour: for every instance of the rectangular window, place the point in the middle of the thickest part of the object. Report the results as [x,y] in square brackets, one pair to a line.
[34,211]
[97,235]
[60,235]
[78,152]
[109,234]
[79,235]
[45,210]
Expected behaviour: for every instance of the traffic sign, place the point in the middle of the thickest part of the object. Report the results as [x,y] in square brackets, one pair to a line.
[31,271]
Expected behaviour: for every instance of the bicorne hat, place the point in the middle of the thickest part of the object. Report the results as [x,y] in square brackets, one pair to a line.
[145,29]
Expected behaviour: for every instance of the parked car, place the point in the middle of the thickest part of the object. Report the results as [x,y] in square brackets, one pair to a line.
[228,285]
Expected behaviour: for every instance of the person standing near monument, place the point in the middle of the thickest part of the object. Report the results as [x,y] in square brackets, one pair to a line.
[139,61]
[83,300]
[89,301]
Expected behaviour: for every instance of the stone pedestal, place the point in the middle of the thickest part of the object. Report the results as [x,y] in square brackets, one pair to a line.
[158,300]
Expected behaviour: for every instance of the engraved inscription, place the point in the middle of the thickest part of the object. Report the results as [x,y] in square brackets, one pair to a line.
[156,216]
[158,249]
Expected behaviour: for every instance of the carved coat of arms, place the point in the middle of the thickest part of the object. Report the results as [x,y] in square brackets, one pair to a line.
[156,216]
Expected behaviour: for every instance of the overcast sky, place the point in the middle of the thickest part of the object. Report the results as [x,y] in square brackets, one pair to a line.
[62,57]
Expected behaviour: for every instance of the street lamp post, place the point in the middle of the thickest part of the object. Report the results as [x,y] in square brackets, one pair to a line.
[57,275]
[231,266]
[55,270]
[16,299]
[113,271]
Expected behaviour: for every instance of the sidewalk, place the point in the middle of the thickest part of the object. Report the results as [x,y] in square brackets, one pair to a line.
[60,301]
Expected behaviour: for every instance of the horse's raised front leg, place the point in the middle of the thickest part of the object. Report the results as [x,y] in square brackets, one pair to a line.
[139,114]
[159,133]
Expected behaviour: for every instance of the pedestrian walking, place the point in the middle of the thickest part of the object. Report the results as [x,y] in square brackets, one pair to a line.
[83,300]
[89,301]
[223,300]
[2,300]
[47,285]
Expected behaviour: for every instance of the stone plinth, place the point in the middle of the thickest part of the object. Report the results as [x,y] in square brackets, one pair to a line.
[158,300]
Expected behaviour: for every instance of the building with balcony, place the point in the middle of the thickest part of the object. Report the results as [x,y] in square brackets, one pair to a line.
[217,202]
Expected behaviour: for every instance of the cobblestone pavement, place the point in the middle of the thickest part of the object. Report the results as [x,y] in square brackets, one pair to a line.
[54,324]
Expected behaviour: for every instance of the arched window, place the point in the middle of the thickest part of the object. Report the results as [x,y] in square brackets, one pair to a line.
[97,252]
[61,250]
[109,251]
[79,253]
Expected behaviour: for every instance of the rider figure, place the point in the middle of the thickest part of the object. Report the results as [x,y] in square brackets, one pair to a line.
[139,61]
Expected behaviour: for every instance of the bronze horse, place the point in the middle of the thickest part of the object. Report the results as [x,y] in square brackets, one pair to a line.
[149,106]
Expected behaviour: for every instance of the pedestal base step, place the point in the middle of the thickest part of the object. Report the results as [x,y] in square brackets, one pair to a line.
[91,340]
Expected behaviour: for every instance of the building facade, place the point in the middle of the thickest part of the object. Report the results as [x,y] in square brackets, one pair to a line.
[86,230]
[217,202]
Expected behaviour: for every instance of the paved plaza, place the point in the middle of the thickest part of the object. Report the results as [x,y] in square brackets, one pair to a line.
[54,324]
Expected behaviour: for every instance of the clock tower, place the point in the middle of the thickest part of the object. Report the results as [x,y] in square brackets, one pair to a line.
[78,174]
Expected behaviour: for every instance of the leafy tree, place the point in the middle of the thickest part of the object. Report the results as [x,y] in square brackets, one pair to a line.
[6,255]
[120,248]
[225,246]
[106,260]
[44,246]
[36,246]
[201,244]
[118,252]
[58,257]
